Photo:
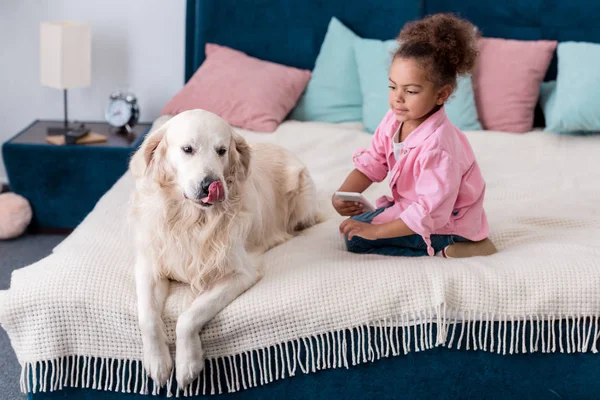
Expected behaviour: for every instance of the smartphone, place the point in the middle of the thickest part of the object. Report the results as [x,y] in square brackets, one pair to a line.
[355,197]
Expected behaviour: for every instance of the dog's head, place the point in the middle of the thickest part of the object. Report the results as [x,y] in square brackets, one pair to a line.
[195,155]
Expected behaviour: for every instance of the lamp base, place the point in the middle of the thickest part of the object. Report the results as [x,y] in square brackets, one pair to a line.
[71,134]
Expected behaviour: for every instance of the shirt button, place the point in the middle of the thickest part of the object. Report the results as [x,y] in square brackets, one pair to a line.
[405,151]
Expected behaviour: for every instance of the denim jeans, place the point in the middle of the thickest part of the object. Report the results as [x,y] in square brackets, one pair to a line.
[409,246]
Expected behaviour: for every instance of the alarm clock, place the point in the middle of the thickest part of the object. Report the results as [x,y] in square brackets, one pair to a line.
[122,111]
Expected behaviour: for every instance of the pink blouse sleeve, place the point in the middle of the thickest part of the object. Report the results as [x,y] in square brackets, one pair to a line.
[437,190]
[373,161]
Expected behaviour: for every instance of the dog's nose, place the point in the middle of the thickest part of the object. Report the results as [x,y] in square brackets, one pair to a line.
[204,185]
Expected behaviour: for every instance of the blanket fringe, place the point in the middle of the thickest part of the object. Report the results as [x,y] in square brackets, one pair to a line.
[411,332]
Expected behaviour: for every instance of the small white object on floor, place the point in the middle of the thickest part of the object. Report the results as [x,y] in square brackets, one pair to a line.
[15,215]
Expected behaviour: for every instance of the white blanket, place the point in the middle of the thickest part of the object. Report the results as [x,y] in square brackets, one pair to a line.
[542,201]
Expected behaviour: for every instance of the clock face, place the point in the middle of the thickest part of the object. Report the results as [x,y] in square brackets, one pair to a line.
[118,112]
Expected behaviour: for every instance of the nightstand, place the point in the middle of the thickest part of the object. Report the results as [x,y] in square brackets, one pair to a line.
[63,183]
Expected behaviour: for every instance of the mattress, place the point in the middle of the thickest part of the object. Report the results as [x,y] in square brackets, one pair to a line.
[541,203]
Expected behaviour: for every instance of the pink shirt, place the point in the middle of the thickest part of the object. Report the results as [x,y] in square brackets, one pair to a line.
[437,187]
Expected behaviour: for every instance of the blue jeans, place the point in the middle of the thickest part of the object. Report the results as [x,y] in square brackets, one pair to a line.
[408,246]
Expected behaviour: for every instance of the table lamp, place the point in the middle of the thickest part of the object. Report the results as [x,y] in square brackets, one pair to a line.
[65,63]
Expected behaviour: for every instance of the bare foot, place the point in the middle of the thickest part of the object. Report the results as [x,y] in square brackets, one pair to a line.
[484,247]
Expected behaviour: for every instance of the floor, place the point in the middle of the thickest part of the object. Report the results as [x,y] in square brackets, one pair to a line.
[14,254]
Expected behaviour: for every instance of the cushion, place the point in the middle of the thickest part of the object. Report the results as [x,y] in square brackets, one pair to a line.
[571,102]
[247,92]
[507,81]
[333,93]
[373,58]
[461,108]
[15,215]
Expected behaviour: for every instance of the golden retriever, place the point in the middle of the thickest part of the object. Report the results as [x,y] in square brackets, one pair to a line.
[205,201]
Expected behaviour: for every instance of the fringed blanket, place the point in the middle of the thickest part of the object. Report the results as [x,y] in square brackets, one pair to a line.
[72,318]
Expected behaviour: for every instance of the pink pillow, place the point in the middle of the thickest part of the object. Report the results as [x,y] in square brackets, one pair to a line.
[247,92]
[507,81]
[15,215]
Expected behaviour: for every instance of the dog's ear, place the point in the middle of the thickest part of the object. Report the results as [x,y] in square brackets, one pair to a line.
[146,153]
[240,156]
[151,144]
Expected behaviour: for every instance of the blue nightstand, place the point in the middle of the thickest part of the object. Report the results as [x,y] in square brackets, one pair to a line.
[63,183]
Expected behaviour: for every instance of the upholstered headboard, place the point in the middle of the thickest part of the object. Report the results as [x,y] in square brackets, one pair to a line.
[290,32]
[561,20]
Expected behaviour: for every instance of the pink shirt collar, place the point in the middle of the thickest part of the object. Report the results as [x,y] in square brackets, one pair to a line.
[423,131]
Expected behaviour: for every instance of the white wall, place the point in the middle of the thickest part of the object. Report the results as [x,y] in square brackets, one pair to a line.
[136,44]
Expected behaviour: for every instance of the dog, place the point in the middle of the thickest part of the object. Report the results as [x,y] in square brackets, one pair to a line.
[205,206]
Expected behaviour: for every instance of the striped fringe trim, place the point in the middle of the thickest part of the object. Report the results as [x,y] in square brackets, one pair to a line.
[418,331]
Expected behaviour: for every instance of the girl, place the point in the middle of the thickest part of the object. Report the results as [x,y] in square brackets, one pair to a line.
[437,186]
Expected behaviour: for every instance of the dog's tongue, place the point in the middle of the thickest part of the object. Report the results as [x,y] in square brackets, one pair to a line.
[215,192]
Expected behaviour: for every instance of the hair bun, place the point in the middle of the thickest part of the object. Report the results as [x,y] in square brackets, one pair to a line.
[450,40]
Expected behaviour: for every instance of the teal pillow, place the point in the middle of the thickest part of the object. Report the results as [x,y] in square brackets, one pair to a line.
[333,92]
[460,107]
[574,107]
[374,57]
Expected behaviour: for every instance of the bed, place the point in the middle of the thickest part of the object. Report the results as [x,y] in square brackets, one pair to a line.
[326,323]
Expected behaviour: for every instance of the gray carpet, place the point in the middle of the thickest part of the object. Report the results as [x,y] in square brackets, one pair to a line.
[15,254]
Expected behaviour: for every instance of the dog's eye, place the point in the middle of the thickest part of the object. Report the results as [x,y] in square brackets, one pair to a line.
[187,149]
[221,151]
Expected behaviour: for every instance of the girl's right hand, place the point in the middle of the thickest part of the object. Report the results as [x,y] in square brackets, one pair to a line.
[347,208]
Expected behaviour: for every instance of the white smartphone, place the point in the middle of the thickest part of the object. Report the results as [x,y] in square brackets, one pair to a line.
[355,197]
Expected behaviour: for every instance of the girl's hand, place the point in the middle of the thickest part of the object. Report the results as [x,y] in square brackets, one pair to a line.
[347,208]
[350,228]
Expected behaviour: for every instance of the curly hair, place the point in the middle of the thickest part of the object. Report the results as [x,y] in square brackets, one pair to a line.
[443,43]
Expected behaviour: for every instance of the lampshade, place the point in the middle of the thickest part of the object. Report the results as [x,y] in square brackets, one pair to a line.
[65,54]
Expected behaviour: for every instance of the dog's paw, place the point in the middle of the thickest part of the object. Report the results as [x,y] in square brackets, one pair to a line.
[189,359]
[158,363]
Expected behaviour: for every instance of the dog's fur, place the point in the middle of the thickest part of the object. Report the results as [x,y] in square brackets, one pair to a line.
[269,197]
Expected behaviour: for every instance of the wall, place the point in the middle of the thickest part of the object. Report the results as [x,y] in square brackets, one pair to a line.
[136,44]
